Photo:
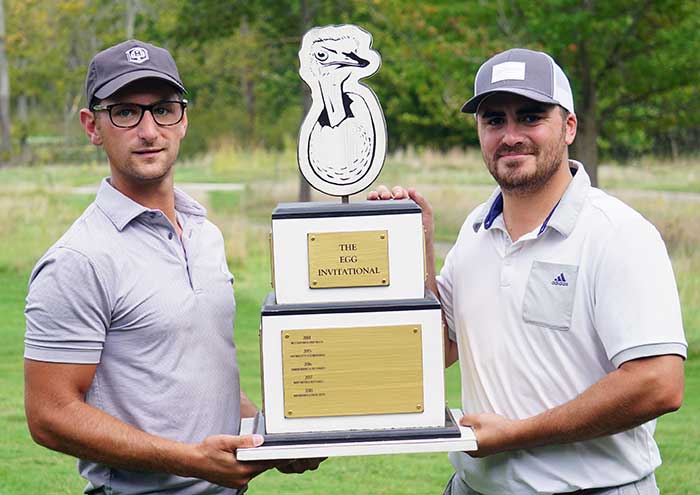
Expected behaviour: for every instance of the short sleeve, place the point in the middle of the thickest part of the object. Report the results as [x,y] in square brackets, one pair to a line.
[68,310]
[637,309]
[444,283]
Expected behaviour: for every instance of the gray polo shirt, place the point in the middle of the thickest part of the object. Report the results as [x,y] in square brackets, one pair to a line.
[155,312]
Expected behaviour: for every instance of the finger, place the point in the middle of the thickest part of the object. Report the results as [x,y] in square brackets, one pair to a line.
[297,466]
[373,195]
[399,192]
[313,464]
[420,199]
[381,188]
[309,464]
[254,468]
[289,468]
[233,442]
[383,192]
[468,420]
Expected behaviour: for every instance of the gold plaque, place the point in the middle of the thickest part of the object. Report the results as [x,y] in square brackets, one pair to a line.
[352,371]
[348,259]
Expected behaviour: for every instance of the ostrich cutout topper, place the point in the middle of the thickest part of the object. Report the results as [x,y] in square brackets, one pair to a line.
[342,143]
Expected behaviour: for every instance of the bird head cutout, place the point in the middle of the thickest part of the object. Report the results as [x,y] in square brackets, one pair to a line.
[342,142]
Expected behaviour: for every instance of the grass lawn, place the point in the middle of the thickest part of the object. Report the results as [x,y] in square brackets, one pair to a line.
[37,208]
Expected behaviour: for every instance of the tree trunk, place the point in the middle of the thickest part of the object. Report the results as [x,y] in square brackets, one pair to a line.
[131,9]
[304,187]
[4,93]
[22,116]
[308,8]
[585,146]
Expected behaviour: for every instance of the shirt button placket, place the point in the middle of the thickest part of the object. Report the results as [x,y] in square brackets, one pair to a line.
[507,262]
[506,270]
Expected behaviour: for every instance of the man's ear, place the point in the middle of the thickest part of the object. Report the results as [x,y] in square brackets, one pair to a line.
[183,125]
[571,125]
[87,119]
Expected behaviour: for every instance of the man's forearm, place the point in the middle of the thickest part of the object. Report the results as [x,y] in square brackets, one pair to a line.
[83,431]
[637,392]
[621,400]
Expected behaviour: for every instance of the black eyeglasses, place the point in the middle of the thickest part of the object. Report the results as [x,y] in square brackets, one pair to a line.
[126,115]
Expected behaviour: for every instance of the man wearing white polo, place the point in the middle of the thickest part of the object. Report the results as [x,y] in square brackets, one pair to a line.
[559,301]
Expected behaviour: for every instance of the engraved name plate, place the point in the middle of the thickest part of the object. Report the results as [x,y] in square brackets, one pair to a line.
[352,371]
[348,259]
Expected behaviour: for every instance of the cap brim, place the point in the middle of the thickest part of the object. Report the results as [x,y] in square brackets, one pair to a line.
[472,105]
[119,82]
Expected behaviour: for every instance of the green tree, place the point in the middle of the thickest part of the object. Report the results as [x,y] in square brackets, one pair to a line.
[241,56]
[627,59]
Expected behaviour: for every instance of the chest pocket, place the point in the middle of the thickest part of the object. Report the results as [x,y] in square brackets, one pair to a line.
[549,295]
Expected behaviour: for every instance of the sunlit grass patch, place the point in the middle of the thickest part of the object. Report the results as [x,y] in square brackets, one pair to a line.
[651,173]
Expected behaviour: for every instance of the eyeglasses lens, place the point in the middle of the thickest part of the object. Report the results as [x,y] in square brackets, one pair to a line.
[129,115]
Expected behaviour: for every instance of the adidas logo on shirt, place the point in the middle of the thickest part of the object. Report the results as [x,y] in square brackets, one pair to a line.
[560,280]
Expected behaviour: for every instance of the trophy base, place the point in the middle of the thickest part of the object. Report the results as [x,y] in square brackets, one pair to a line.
[451,437]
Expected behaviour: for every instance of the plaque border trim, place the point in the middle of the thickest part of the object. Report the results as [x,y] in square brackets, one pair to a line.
[357,209]
[271,308]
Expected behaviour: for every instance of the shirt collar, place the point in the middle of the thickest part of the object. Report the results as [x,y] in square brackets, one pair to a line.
[562,217]
[121,209]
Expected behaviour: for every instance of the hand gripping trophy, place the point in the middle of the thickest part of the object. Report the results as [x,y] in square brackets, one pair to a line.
[351,341]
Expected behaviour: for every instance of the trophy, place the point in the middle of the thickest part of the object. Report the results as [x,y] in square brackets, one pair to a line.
[351,342]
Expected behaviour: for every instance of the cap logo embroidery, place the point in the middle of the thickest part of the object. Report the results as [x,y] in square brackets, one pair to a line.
[508,70]
[137,55]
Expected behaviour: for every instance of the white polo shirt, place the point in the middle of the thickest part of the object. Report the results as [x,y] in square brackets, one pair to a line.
[540,320]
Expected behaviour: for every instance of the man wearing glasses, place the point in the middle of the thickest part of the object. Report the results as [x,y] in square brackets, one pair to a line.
[130,363]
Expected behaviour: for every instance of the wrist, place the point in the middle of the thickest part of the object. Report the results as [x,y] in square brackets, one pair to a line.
[185,458]
[527,433]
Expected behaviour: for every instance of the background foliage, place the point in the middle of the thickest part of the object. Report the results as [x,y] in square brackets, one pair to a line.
[632,65]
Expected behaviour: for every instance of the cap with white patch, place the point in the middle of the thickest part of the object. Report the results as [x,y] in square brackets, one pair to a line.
[531,74]
[113,68]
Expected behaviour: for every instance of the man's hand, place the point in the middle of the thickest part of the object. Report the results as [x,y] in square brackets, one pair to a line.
[494,433]
[383,192]
[398,192]
[638,391]
[215,460]
[298,466]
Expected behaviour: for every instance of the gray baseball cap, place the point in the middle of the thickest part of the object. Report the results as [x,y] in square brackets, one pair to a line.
[113,68]
[531,74]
